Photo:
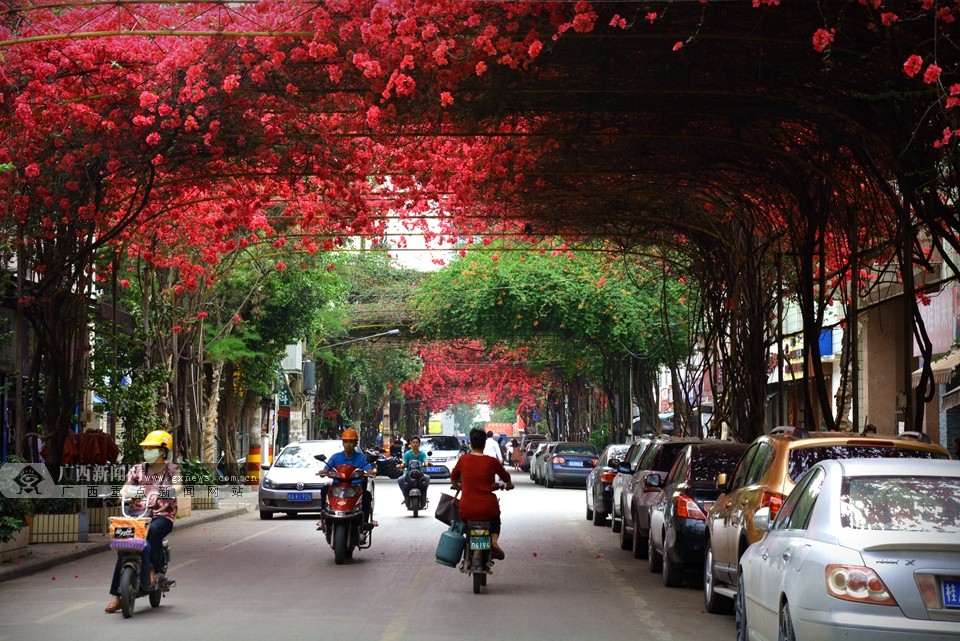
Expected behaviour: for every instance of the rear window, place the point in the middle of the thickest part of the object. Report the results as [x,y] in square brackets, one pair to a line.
[576,448]
[803,458]
[900,504]
[666,455]
[714,462]
[440,443]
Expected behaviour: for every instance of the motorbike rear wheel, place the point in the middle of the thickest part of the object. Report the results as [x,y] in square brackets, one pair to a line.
[477,582]
[128,590]
[339,543]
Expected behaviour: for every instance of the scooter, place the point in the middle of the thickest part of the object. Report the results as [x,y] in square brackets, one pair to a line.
[416,489]
[128,536]
[345,525]
[478,552]
[388,466]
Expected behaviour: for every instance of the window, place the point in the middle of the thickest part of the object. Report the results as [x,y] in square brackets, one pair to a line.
[678,473]
[760,463]
[795,513]
[708,464]
[803,458]
[740,476]
[898,503]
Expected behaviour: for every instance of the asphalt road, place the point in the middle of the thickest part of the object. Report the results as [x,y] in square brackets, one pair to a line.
[242,578]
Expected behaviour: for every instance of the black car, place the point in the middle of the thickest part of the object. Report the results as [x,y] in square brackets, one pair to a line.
[678,515]
[600,483]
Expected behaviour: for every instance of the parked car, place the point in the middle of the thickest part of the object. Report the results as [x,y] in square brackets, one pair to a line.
[528,444]
[623,478]
[639,495]
[291,484]
[599,492]
[766,474]
[442,454]
[861,550]
[542,461]
[570,463]
[538,451]
[678,515]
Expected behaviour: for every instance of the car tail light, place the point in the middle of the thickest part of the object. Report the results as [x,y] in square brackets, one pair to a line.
[857,583]
[607,477]
[559,460]
[687,508]
[929,591]
[773,501]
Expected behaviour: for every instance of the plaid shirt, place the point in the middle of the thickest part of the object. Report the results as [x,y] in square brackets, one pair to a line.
[164,502]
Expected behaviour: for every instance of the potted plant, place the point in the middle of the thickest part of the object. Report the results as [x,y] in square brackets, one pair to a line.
[200,483]
[14,524]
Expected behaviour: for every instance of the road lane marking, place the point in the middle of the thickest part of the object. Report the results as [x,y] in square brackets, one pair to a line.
[408,604]
[643,610]
[57,615]
[252,536]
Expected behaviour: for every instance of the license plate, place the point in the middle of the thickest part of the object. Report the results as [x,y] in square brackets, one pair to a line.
[299,496]
[434,470]
[479,542]
[574,463]
[951,593]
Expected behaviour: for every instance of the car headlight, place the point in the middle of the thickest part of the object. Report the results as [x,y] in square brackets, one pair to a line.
[268,483]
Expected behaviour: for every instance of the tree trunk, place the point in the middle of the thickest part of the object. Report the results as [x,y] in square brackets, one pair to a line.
[210,453]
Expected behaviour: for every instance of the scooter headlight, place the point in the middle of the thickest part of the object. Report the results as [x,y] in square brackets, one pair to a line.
[345,491]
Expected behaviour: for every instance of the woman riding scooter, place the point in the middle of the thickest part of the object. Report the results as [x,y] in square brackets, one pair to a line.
[476,475]
[157,481]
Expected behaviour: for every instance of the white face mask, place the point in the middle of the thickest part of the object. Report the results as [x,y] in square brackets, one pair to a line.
[151,456]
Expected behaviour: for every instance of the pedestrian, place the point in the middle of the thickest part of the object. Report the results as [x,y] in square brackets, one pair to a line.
[491,447]
[516,454]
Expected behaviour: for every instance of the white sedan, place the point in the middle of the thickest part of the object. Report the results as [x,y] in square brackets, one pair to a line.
[863,549]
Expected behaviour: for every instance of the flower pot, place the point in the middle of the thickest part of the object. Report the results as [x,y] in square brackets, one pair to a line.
[99,518]
[184,505]
[16,547]
[55,528]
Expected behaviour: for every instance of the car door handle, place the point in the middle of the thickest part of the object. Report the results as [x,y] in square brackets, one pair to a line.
[764,556]
[785,556]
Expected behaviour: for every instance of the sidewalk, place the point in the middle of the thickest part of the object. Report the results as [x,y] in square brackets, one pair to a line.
[42,556]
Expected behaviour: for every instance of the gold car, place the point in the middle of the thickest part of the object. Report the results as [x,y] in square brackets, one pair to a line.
[766,474]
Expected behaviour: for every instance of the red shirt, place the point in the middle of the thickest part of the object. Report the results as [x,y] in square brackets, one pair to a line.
[476,474]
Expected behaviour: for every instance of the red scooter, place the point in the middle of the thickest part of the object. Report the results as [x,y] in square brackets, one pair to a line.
[344,524]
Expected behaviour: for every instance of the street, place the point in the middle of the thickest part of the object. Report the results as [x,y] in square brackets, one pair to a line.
[244,578]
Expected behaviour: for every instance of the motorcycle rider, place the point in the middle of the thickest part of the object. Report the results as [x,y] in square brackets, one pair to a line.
[157,481]
[351,456]
[475,474]
[413,454]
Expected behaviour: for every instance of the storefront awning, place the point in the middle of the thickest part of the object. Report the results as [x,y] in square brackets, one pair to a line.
[950,400]
[942,369]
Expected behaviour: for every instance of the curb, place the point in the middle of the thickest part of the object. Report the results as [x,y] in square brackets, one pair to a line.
[15,572]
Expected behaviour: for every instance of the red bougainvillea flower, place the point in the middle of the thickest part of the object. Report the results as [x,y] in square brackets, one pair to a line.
[823,38]
[237,319]
[125,283]
[177,329]
[281,265]
[913,65]
[932,74]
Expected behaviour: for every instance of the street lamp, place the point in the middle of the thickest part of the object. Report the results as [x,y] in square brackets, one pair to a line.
[389,332]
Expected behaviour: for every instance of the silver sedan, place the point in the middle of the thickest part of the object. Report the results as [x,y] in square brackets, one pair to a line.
[863,549]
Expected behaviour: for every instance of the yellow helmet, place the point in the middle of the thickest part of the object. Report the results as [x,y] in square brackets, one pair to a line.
[350,434]
[158,438]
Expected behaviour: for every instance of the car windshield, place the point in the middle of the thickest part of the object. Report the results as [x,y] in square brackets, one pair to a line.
[576,448]
[901,504]
[803,458]
[298,456]
[440,443]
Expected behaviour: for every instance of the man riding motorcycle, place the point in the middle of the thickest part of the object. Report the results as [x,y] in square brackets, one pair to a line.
[413,454]
[351,456]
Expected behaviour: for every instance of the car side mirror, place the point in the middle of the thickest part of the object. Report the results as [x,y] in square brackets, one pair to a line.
[265,466]
[653,480]
[761,519]
[722,481]
[319,457]
[613,463]
[430,453]
[623,468]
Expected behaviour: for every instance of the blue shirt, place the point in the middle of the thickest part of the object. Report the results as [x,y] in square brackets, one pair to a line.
[410,456]
[359,459]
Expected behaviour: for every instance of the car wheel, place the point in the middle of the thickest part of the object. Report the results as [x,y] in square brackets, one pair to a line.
[626,539]
[599,518]
[713,602]
[547,482]
[589,514]
[654,560]
[639,543]
[786,624]
[616,524]
[672,573]
[740,614]
[265,516]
